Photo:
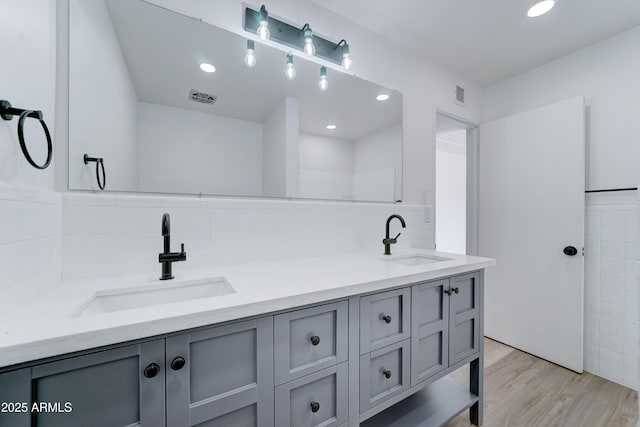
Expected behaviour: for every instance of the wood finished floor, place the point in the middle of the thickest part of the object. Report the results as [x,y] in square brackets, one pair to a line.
[523,390]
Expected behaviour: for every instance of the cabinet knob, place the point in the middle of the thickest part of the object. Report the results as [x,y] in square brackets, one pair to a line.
[386,318]
[456,290]
[178,363]
[315,340]
[152,370]
[386,373]
[315,406]
[448,291]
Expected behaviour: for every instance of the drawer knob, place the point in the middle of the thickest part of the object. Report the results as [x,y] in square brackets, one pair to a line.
[178,363]
[315,340]
[386,373]
[387,319]
[152,370]
[456,290]
[315,406]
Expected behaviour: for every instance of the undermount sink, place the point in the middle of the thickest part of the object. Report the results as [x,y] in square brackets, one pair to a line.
[163,293]
[415,259]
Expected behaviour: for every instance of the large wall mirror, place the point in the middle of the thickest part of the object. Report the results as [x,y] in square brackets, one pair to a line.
[132,67]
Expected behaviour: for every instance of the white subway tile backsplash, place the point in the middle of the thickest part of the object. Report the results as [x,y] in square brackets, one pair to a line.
[139,221]
[612,249]
[103,220]
[612,233]
[9,265]
[611,268]
[9,231]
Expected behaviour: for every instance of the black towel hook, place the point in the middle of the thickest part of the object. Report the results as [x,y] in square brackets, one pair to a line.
[99,165]
[7,112]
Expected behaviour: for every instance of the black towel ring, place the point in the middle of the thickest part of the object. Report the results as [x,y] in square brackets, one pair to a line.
[7,112]
[99,166]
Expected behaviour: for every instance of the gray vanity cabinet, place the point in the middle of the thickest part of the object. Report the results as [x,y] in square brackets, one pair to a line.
[316,400]
[464,316]
[384,319]
[221,376]
[309,340]
[430,329]
[123,386]
[445,324]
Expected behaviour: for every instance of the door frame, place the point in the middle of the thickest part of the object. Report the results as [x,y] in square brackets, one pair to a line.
[472,208]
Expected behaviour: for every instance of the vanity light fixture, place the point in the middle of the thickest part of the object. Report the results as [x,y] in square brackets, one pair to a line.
[347,62]
[540,8]
[263,24]
[207,68]
[324,83]
[250,56]
[382,97]
[309,47]
[331,127]
[259,22]
[290,72]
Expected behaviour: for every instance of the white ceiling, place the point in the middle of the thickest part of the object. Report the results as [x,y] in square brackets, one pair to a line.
[163,51]
[489,40]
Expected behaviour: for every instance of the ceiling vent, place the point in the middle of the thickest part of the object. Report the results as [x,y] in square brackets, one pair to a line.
[460,97]
[202,97]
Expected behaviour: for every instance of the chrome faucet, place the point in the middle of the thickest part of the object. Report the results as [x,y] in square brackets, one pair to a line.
[387,241]
[168,257]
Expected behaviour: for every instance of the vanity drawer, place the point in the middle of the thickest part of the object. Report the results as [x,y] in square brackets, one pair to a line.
[309,340]
[384,373]
[384,319]
[319,399]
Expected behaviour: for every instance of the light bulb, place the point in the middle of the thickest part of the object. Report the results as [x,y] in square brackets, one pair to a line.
[347,62]
[263,27]
[250,56]
[309,47]
[289,71]
[324,83]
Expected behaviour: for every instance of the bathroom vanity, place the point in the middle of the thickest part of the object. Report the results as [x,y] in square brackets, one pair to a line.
[371,346]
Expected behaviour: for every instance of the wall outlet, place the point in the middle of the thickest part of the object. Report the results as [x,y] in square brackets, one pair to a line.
[428,214]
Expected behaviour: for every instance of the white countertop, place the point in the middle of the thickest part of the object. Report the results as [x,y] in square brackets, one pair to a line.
[48,325]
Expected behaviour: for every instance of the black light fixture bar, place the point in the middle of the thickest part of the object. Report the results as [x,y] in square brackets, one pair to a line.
[293,37]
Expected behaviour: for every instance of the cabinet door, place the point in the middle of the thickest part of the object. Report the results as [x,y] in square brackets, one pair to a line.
[15,390]
[430,326]
[384,319]
[464,316]
[309,340]
[316,400]
[107,388]
[221,376]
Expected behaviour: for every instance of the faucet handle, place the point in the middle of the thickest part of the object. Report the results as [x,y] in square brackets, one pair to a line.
[396,238]
[181,247]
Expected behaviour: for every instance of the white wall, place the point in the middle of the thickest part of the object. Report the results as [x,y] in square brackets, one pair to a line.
[280,150]
[30,213]
[105,104]
[424,85]
[326,167]
[27,80]
[378,165]
[451,196]
[607,75]
[204,152]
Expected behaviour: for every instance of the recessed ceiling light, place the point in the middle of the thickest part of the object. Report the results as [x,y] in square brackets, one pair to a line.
[331,127]
[207,68]
[540,8]
[382,97]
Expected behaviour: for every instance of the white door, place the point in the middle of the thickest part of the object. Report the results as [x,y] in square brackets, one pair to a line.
[531,207]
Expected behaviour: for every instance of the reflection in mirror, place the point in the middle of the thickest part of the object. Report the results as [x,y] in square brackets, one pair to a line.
[140,99]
